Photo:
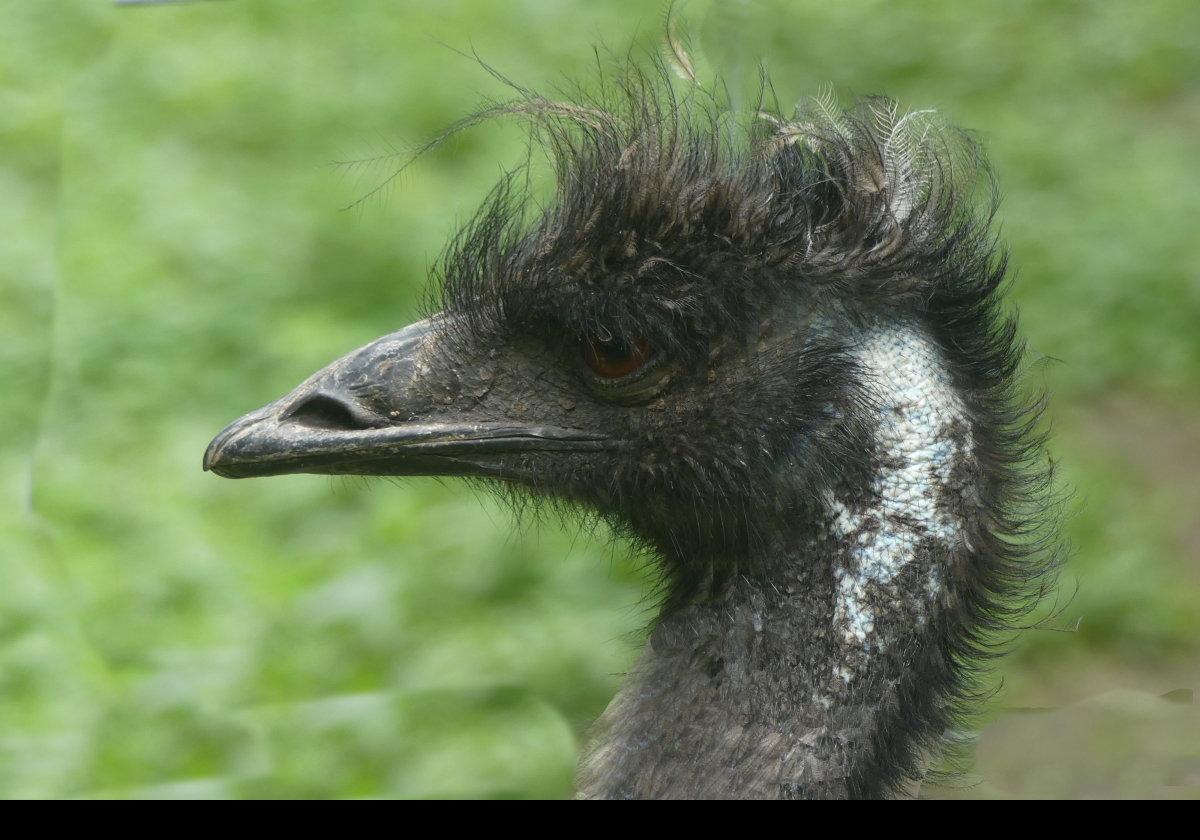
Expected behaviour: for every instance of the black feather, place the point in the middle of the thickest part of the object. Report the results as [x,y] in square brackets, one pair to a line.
[742,322]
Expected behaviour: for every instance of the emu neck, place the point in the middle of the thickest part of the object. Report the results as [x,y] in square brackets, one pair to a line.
[826,673]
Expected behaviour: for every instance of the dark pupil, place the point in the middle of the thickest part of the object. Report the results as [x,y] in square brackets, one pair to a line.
[615,350]
[615,357]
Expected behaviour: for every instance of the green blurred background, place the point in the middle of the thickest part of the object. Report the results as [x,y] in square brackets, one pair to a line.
[173,254]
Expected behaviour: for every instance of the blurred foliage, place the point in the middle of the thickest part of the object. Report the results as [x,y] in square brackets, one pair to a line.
[172,254]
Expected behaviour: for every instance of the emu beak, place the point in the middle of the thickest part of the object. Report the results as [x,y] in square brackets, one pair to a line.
[393,407]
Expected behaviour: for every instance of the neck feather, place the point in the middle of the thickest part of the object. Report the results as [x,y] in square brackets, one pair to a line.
[826,673]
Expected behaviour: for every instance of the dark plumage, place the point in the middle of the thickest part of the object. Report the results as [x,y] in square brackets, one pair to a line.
[779,361]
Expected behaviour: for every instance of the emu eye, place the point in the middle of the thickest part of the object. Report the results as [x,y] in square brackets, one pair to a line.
[615,357]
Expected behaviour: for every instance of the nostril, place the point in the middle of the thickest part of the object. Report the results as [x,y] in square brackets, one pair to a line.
[324,412]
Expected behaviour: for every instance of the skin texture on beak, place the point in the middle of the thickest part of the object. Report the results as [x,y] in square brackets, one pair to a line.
[393,407]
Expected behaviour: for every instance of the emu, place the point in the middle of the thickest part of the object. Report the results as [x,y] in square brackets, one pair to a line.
[779,361]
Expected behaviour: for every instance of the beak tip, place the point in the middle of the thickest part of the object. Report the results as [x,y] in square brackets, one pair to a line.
[217,455]
[212,461]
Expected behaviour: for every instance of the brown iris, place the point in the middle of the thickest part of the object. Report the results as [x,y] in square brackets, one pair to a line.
[615,357]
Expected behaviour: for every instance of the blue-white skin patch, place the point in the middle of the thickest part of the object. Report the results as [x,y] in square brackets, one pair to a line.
[918,442]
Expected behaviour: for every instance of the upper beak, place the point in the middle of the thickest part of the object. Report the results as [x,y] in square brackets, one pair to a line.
[381,411]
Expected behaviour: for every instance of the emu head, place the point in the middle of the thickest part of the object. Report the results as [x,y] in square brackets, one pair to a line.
[668,342]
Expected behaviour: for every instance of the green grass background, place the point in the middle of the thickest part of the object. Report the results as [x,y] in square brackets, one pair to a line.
[173,254]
